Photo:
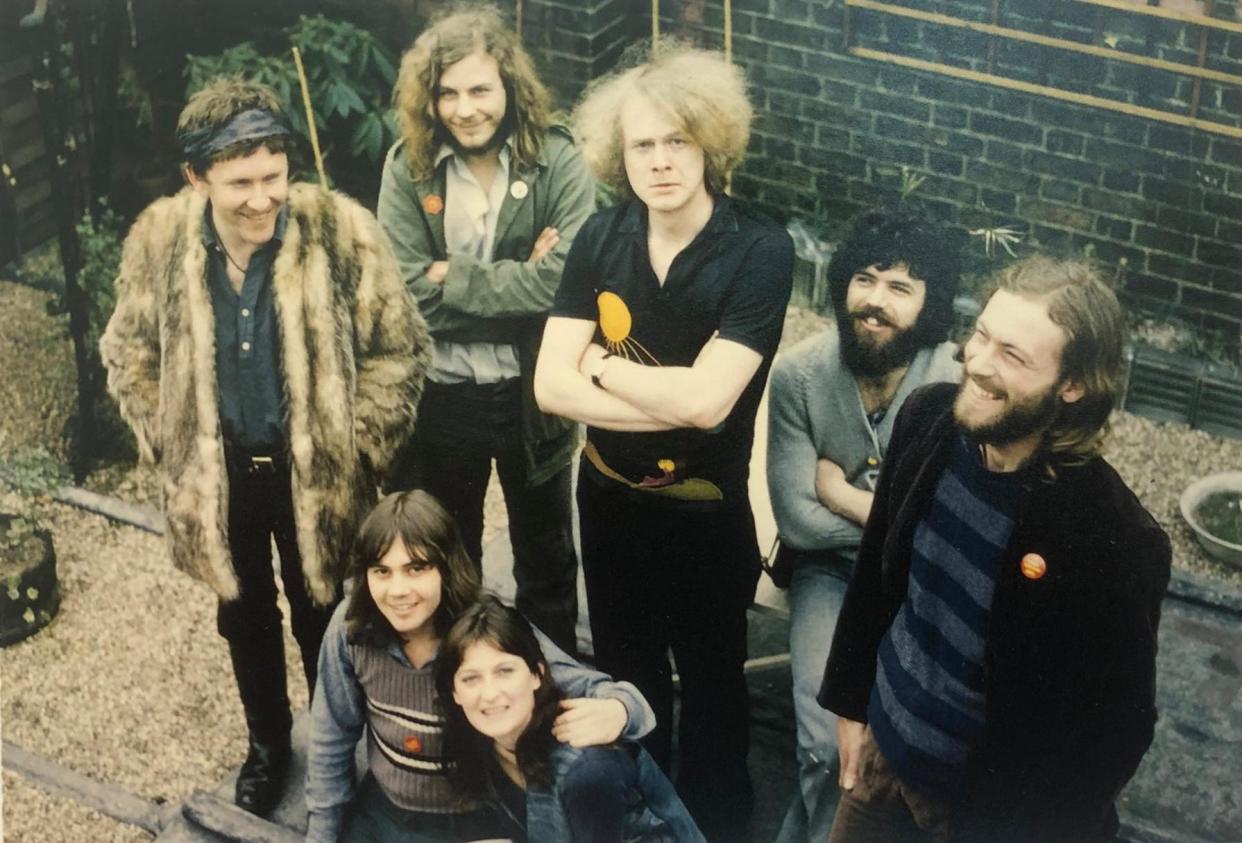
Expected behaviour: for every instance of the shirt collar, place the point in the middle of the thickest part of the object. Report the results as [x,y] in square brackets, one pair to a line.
[722,221]
[211,239]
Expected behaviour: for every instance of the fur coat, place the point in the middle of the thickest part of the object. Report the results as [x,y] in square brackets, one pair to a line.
[354,350]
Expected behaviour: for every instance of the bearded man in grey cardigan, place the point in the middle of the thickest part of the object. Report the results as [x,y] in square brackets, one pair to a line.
[833,400]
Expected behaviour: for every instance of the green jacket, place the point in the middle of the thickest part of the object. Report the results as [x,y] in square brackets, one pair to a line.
[506,300]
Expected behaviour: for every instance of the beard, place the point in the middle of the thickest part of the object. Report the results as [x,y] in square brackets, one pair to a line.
[1020,419]
[496,141]
[868,357]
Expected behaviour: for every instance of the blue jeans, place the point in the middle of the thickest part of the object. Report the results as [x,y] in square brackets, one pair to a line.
[815,596]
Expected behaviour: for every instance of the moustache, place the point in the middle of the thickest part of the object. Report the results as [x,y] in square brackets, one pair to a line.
[988,385]
[869,312]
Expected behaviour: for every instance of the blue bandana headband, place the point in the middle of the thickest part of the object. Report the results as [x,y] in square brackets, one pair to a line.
[255,123]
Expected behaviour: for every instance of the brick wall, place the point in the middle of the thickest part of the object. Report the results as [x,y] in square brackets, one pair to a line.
[575,41]
[1162,204]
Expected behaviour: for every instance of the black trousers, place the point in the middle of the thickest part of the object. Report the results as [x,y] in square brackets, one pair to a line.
[260,510]
[461,429]
[660,576]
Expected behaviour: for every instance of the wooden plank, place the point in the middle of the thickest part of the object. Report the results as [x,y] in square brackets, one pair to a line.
[1157,12]
[107,799]
[142,517]
[1048,41]
[224,818]
[1046,91]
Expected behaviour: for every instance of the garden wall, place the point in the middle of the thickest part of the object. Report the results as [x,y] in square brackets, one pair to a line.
[1160,203]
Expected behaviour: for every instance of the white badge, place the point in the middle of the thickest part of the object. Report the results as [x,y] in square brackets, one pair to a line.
[519,189]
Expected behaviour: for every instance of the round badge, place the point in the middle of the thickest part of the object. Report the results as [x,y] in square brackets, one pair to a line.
[433,204]
[519,189]
[413,743]
[1033,566]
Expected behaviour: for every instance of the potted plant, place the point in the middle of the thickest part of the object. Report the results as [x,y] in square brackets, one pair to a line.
[1212,506]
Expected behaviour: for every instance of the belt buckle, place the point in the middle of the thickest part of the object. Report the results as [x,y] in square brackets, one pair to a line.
[262,465]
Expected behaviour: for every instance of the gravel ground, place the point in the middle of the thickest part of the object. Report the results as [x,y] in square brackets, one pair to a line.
[114,690]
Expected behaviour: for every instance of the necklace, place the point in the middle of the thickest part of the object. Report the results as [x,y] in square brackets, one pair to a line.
[240,268]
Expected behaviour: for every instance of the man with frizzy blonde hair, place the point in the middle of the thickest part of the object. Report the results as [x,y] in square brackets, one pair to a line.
[993,668]
[481,198]
[669,312]
[269,361]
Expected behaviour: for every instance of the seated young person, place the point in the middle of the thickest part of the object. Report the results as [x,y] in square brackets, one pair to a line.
[411,579]
[500,732]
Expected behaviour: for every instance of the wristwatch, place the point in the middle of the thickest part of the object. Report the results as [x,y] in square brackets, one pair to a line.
[597,371]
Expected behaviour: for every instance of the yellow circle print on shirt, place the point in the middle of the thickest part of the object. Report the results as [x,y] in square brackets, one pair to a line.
[615,323]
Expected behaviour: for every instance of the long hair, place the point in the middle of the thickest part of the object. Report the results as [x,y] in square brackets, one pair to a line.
[885,238]
[1082,305]
[492,622]
[428,533]
[446,42]
[697,88]
[218,102]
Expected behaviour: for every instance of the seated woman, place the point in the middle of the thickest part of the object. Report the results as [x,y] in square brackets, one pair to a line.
[500,732]
[411,578]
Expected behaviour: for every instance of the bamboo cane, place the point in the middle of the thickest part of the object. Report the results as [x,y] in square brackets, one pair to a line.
[310,118]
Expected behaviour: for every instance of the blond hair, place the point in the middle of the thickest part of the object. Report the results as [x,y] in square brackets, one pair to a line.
[446,42]
[1081,304]
[697,88]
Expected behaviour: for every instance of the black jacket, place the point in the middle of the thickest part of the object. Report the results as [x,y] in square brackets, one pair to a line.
[1070,662]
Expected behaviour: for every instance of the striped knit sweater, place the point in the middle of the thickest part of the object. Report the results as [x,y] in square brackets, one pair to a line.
[927,706]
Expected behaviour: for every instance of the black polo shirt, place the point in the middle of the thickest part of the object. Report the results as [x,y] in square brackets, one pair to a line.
[734,277]
[249,377]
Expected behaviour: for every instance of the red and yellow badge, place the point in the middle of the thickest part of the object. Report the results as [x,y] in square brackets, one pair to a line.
[433,204]
[412,743]
[1033,566]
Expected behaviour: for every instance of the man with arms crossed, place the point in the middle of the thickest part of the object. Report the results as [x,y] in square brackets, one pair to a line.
[833,401]
[993,668]
[664,328]
[481,198]
[269,361]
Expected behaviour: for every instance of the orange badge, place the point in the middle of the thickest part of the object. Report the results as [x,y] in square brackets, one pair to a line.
[433,204]
[1033,566]
[413,743]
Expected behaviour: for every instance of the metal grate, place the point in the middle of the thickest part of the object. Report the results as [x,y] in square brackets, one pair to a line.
[1171,387]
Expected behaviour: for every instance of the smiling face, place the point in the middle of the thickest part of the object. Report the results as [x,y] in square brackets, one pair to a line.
[245,194]
[471,103]
[882,307]
[406,590]
[1011,381]
[496,691]
[662,162]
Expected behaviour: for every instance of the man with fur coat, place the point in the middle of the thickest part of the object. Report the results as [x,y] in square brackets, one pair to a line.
[269,359]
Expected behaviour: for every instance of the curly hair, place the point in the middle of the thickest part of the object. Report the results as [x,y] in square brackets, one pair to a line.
[492,622]
[697,88]
[218,102]
[429,533]
[446,42]
[1085,307]
[890,237]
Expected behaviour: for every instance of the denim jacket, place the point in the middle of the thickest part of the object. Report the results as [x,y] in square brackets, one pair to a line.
[654,814]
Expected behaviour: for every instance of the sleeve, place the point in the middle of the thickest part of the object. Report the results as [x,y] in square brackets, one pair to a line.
[130,345]
[337,719]
[578,681]
[392,351]
[402,219]
[754,311]
[575,298]
[865,611]
[801,519]
[508,288]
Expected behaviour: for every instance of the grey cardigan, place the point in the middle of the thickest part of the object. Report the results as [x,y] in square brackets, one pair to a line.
[814,410]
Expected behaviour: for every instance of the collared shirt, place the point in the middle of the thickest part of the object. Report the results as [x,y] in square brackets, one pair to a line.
[733,280]
[248,365]
[470,216]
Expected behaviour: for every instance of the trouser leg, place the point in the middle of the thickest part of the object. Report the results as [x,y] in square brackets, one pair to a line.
[815,595]
[715,560]
[879,809]
[452,460]
[627,599]
[545,565]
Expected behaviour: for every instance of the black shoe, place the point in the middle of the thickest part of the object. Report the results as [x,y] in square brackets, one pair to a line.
[261,781]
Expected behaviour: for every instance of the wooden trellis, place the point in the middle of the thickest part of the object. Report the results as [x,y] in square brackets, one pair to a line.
[1198,72]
